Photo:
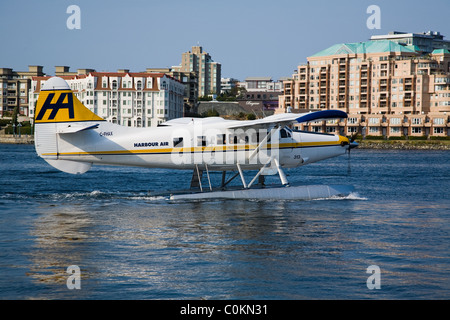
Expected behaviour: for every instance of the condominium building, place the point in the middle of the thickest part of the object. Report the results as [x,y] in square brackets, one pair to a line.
[14,87]
[208,71]
[386,88]
[228,84]
[425,42]
[190,82]
[134,99]
[260,93]
[261,84]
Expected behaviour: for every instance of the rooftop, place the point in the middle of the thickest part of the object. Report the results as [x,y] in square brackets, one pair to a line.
[363,47]
[258,79]
[440,51]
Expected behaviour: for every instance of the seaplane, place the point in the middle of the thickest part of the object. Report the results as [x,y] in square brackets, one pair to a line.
[71,138]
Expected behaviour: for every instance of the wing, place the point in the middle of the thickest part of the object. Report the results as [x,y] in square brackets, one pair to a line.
[281,119]
[289,118]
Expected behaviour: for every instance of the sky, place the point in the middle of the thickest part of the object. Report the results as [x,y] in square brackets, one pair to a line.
[250,38]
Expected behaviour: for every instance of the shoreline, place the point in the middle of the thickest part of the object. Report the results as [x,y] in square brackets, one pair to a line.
[10,139]
[404,144]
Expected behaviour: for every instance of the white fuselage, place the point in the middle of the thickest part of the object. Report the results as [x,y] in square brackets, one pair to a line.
[195,143]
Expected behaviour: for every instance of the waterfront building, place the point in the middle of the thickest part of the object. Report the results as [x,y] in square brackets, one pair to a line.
[227,84]
[14,87]
[261,84]
[260,94]
[190,81]
[386,88]
[134,99]
[208,71]
[425,42]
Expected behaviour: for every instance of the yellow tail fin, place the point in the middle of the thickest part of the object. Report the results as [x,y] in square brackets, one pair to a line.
[57,103]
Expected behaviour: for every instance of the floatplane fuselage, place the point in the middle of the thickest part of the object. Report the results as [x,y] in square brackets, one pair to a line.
[71,138]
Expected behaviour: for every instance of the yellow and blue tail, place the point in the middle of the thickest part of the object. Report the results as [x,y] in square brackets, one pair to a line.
[58,111]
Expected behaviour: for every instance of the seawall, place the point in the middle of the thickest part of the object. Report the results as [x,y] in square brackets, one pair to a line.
[11,139]
[404,144]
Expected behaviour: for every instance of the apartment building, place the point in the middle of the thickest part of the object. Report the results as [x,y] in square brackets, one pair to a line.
[190,82]
[261,84]
[208,71]
[425,42]
[14,87]
[386,88]
[260,93]
[227,84]
[134,99]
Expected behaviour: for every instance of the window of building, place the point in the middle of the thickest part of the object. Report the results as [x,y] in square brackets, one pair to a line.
[438,120]
[395,120]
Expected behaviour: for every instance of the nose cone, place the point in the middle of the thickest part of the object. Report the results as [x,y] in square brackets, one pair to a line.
[344,141]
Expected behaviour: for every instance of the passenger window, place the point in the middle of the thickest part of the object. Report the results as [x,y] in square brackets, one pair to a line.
[177,142]
[201,141]
[233,139]
[221,139]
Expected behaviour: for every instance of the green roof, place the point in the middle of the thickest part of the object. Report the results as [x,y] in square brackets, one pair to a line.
[438,51]
[414,48]
[363,47]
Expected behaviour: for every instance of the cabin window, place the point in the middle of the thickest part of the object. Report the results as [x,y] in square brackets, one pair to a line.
[232,139]
[178,142]
[201,141]
[221,139]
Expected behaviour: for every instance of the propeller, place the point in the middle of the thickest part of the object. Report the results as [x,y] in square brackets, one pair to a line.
[352,145]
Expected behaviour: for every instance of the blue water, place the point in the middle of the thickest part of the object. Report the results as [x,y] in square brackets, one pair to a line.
[129,244]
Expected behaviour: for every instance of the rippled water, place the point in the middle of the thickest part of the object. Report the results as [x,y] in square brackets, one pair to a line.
[132,245]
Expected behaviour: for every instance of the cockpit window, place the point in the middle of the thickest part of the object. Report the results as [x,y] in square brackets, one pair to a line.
[284,133]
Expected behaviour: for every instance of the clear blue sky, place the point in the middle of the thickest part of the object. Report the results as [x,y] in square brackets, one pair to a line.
[248,37]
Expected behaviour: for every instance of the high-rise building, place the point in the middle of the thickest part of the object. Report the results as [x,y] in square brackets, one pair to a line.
[134,99]
[425,42]
[209,72]
[190,82]
[386,88]
[14,87]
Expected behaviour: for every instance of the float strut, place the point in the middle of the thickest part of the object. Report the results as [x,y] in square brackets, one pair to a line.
[281,173]
[242,175]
